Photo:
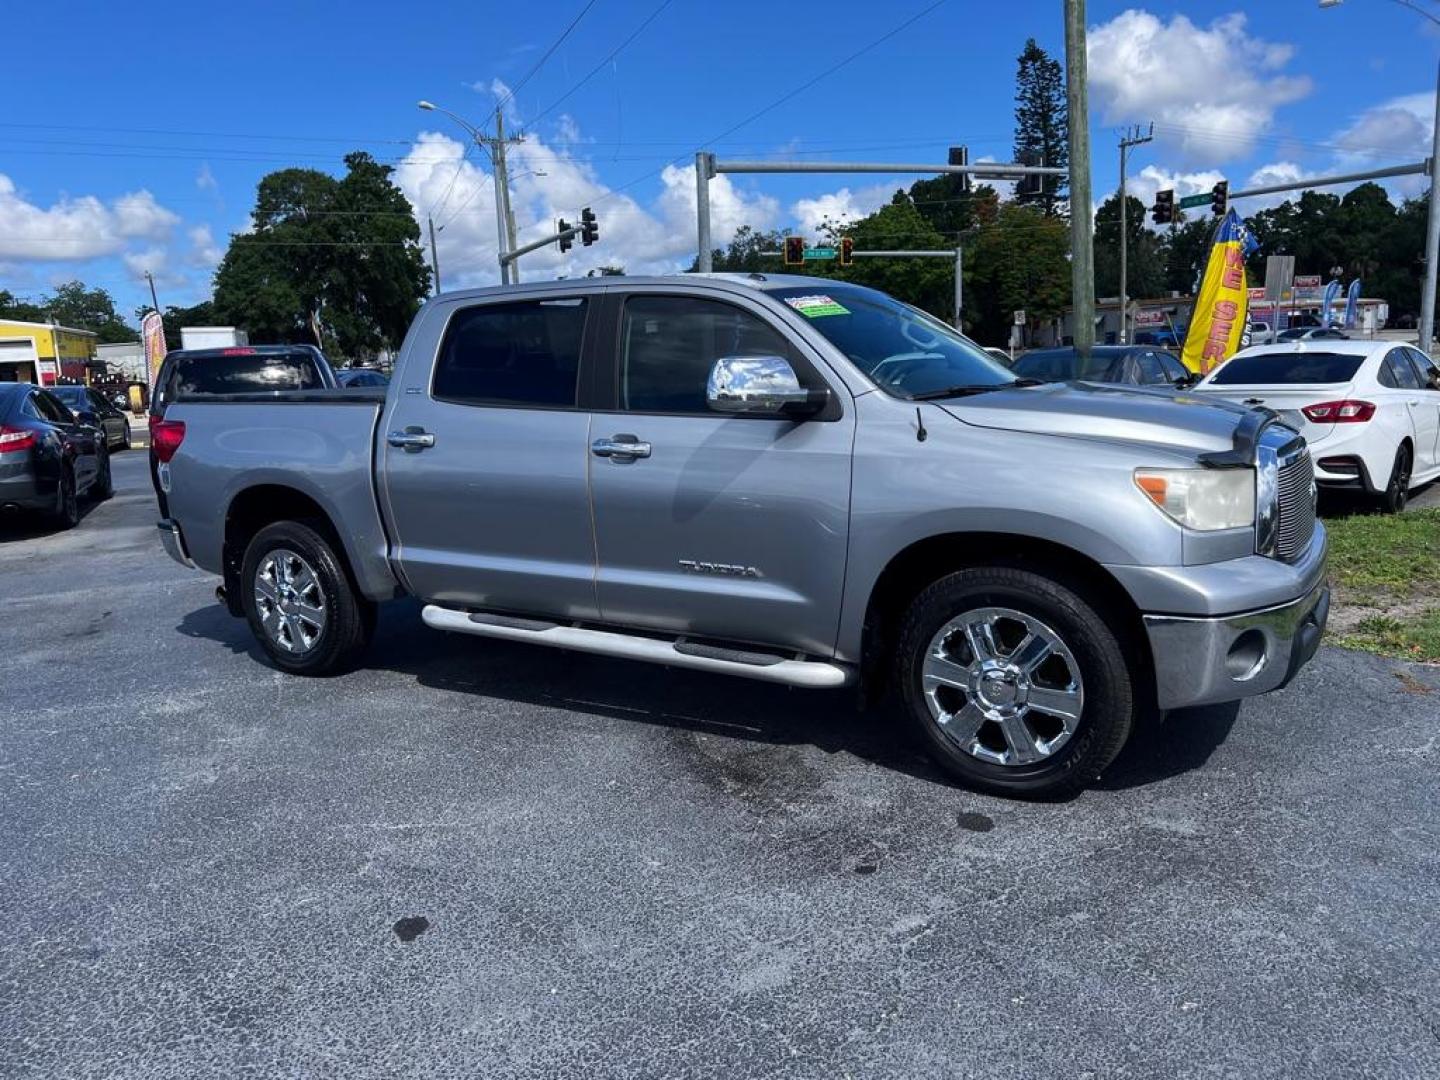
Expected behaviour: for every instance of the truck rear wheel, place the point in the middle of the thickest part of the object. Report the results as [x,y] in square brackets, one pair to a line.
[1016,682]
[299,601]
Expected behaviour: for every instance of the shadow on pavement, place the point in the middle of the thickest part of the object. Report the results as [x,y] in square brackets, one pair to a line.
[698,702]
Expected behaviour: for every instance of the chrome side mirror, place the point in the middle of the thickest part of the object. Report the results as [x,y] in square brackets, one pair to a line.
[755,384]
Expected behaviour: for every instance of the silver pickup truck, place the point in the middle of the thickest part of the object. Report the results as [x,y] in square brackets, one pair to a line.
[781,478]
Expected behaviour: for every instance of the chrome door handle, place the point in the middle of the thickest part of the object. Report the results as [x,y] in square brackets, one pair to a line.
[621,446]
[410,440]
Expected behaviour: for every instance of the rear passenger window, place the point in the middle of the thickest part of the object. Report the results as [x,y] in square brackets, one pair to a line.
[523,354]
[1402,375]
[668,344]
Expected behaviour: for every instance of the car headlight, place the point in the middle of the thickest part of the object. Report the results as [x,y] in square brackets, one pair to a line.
[1204,499]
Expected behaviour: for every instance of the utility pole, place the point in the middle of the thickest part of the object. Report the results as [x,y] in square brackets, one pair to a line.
[1131,138]
[1432,243]
[154,303]
[502,196]
[434,258]
[1077,103]
[959,283]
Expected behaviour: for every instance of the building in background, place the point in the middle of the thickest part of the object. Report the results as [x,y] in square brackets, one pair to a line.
[45,353]
[125,361]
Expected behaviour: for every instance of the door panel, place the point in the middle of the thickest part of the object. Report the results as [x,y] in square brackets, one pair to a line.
[1425,414]
[731,527]
[494,512]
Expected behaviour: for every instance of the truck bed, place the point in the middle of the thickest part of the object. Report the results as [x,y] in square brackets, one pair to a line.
[319,443]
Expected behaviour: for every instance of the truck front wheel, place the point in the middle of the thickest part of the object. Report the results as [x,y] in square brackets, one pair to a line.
[299,601]
[1016,682]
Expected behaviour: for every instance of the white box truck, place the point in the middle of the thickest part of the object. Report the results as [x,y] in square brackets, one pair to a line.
[212,337]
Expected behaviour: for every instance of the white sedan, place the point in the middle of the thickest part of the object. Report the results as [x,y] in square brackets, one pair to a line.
[1370,410]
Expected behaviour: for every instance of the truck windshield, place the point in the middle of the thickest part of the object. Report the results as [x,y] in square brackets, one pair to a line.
[904,351]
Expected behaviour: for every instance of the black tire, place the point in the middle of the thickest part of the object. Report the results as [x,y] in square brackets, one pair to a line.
[1109,699]
[349,617]
[125,445]
[103,486]
[67,501]
[1397,490]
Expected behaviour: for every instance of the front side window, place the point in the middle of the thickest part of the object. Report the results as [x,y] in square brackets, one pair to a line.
[668,345]
[902,349]
[1425,369]
[1151,373]
[523,354]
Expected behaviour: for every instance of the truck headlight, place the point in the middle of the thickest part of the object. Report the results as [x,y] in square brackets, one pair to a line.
[1203,499]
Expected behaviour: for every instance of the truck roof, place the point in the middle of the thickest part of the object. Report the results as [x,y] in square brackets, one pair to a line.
[755,280]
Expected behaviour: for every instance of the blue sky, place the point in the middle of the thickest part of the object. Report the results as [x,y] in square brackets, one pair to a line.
[133,135]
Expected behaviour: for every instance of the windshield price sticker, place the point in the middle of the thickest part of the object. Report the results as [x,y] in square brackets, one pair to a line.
[815,306]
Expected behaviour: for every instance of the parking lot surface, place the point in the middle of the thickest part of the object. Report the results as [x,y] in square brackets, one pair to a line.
[474,859]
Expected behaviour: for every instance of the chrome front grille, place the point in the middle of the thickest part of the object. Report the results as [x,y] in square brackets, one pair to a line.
[1295,490]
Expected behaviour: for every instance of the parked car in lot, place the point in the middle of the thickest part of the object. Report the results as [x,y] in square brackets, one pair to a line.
[91,407]
[48,459]
[1312,333]
[789,479]
[1370,410]
[361,377]
[1134,365]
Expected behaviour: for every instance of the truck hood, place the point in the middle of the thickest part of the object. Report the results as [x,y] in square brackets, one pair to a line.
[1104,411]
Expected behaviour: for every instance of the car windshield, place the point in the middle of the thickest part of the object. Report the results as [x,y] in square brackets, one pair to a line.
[1277,368]
[905,351]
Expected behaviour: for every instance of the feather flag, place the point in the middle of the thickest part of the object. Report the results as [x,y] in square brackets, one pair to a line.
[1218,318]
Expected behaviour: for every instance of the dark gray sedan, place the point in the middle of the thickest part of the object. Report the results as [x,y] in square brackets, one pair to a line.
[48,458]
[1134,365]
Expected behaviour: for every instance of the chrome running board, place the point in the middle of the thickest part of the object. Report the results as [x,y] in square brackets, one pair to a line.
[766,667]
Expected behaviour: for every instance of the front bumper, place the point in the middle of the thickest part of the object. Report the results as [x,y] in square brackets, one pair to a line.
[1202,661]
[173,542]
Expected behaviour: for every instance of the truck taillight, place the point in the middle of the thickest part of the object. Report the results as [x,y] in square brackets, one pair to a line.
[166,437]
[1339,412]
[13,438]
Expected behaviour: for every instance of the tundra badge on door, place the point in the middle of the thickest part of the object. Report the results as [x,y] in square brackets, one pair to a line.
[697,567]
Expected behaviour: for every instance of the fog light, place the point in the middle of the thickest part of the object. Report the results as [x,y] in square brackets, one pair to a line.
[1246,656]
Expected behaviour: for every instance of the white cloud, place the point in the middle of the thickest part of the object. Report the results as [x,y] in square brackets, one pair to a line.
[1395,131]
[156,261]
[655,239]
[1210,90]
[74,229]
[205,179]
[1144,184]
[204,250]
[839,206]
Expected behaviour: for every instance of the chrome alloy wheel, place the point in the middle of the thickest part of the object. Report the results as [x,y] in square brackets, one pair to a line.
[289,600]
[1003,686]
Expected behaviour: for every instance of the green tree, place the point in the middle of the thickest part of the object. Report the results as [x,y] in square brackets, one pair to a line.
[12,307]
[1185,249]
[743,254]
[1042,126]
[925,282]
[344,253]
[72,304]
[1019,263]
[1145,259]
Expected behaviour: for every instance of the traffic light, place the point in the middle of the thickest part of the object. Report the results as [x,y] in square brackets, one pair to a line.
[847,251]
[589,228]
[1219,197]
[794,251]
[1164,208]
[567,239]
[1029,186]
[960,155]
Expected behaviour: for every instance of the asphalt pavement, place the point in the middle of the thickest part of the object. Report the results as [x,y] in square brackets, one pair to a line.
[486,860]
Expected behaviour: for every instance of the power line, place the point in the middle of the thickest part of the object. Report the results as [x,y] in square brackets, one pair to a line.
[601,66]
[510,94]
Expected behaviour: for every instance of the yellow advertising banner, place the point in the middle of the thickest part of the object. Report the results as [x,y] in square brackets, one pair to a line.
[152,334]
[1222,301]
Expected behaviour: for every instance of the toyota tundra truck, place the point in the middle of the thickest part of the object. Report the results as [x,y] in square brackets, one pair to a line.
[780,478]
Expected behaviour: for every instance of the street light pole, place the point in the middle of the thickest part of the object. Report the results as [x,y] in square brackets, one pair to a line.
[1134,138]
[495,147]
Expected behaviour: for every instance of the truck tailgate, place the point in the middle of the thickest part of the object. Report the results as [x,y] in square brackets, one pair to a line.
[318,444]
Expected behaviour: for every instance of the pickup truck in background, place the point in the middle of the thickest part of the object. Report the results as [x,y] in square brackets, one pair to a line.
[789,479]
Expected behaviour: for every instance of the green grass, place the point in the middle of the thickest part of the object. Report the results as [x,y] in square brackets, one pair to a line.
[1386,573]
